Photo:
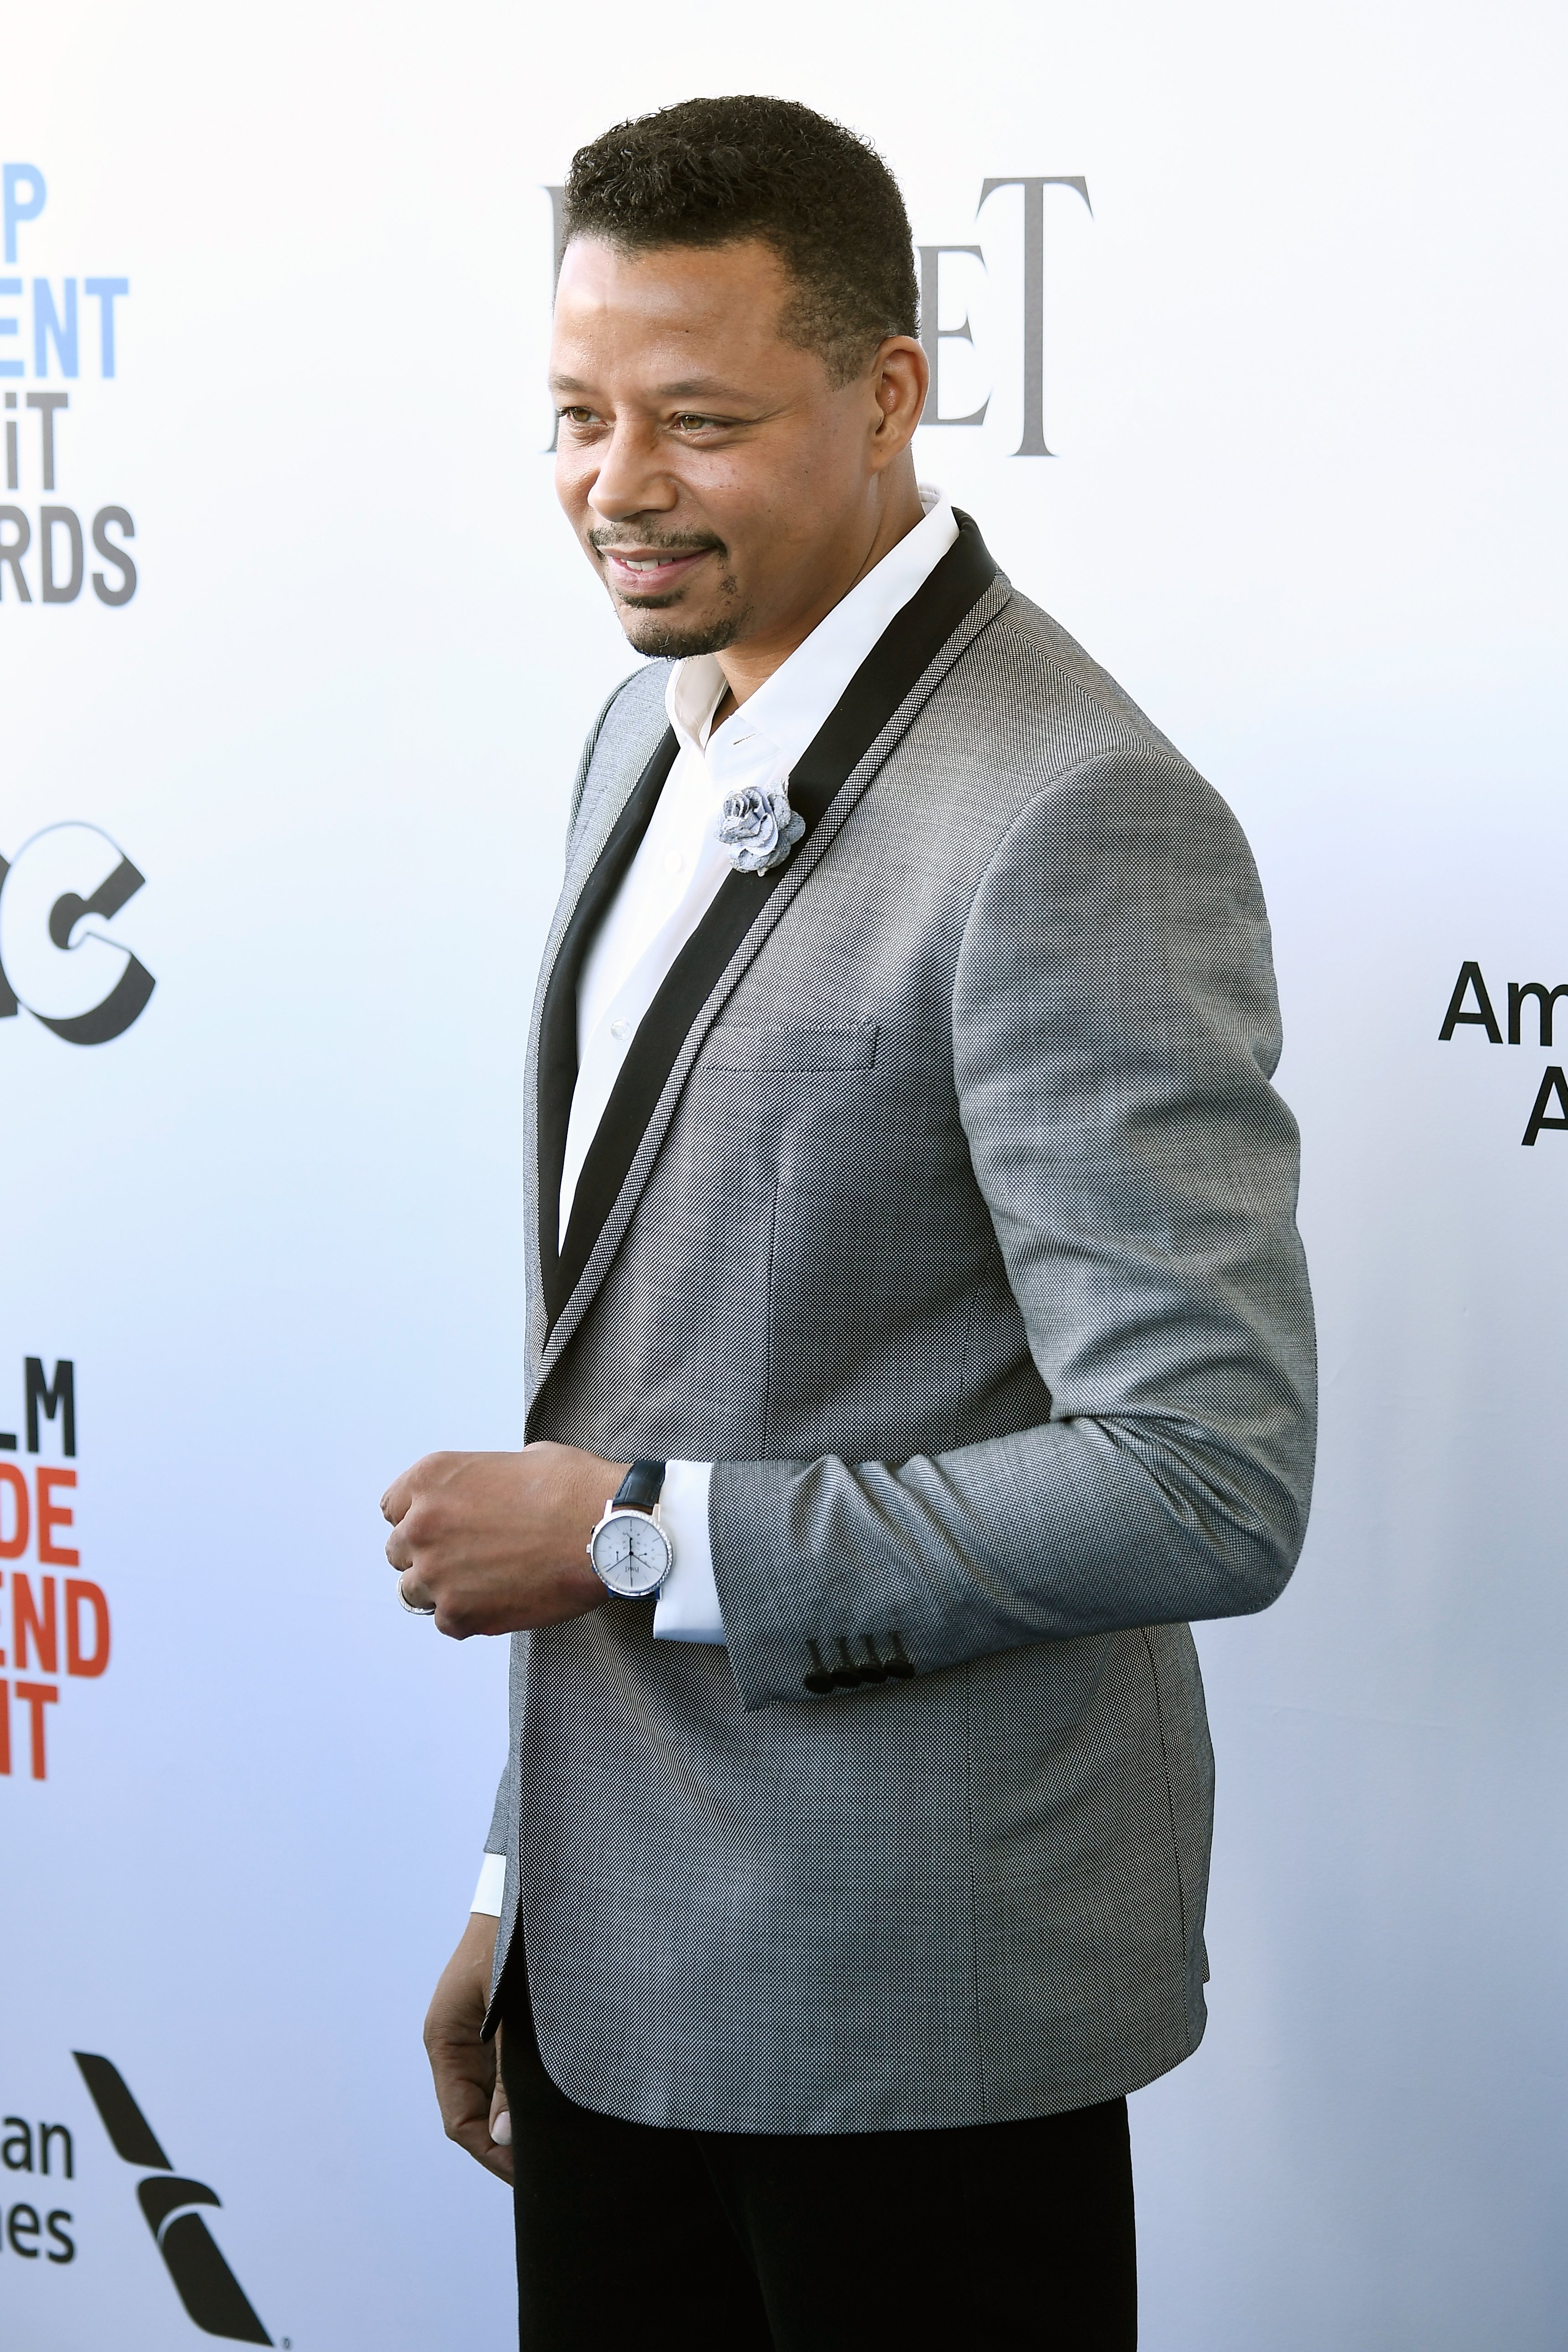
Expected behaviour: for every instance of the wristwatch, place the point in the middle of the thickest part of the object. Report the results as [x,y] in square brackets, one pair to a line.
[630,1551]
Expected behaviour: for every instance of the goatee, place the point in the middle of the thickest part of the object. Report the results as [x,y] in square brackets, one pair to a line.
[662,638]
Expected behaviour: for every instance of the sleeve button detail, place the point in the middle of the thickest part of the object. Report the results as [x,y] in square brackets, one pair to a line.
[847,1674]
[821,1678]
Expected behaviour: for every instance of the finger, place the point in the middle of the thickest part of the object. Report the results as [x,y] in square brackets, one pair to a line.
[501,2106]
[398,1497]
[472,2134]
[414,1592]
[476,2141]
[465,2074]
[399,1551]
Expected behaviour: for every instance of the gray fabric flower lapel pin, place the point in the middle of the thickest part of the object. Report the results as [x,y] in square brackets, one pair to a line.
[759,828]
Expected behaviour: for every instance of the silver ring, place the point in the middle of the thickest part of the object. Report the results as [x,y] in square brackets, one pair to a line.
[414,1611]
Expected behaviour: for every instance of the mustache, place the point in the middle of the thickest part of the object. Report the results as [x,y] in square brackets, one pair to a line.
[654,542]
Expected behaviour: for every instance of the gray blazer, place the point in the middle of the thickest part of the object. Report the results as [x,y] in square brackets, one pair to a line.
[945,1204]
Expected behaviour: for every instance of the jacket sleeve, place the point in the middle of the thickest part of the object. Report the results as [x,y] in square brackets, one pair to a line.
[1115,1030]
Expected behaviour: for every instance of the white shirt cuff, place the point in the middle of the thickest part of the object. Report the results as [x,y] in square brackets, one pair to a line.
[687,1606]
[490,1891]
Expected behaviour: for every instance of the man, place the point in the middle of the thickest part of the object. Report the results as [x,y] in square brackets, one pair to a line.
[913,1264]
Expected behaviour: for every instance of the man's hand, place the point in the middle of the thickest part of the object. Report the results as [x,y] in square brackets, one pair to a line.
[468,2070]
[499,1542]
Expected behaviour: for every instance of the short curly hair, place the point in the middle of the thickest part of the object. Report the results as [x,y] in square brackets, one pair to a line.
[712,171]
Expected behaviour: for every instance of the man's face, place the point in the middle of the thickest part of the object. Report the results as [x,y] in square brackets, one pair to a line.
[720,481]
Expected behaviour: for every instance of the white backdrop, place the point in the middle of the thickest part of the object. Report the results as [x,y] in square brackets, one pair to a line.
[1304,371]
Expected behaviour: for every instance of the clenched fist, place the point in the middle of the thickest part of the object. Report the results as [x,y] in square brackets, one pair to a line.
[499,1542]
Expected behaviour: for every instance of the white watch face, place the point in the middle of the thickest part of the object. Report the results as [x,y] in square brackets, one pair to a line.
[631,1554]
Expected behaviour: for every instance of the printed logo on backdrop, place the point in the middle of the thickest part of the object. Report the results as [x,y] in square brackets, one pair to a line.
[56,330]
[33,2228]
[1533,1001]
[211,2294]
[59,895]
[1030,299]
[56,1625]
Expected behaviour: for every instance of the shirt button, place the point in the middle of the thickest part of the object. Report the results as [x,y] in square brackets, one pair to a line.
[674,863]
[618,1028]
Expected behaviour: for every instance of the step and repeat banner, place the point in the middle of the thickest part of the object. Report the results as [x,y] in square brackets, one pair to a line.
[1247,361]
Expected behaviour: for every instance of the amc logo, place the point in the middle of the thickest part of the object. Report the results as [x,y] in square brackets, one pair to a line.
[59,897]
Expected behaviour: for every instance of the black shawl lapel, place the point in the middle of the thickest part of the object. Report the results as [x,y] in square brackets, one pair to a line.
[557,1065]
[888,675]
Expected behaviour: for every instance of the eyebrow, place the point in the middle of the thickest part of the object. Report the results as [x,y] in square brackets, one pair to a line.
[696,387]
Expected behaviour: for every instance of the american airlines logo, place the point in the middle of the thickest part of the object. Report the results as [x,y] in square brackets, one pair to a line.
[1528,1004]
[171,2205]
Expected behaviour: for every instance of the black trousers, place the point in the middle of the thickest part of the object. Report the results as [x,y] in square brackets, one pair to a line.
[982,2238]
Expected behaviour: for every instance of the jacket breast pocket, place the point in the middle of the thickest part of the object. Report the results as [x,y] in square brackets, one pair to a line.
[812,1046]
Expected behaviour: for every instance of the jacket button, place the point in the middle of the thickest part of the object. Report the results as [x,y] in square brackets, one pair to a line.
[847,1674]
[821,1678]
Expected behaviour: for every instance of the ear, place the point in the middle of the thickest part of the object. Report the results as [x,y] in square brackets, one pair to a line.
[900,378]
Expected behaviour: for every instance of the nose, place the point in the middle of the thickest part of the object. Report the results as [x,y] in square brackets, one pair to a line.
[629,480]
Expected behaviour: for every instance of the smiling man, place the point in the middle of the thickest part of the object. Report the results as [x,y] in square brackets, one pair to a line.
[918,1336]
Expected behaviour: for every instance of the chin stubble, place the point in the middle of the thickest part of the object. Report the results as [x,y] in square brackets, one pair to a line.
[650,622]
[654,627]
[661,636]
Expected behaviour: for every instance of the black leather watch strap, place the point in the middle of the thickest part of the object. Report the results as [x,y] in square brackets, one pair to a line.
[640,1489]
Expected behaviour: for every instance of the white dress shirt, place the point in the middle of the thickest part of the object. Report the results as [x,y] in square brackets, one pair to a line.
[670,886]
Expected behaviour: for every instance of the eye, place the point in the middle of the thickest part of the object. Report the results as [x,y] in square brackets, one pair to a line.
[691,423]
[577,416]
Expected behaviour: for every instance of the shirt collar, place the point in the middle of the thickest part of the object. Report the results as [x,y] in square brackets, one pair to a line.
[789,708]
